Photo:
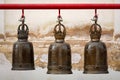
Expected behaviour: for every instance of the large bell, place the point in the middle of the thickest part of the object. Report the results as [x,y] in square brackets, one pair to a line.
[95,52]
[59,55]
[23,54]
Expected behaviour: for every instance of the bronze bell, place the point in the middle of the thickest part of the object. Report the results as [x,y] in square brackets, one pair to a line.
[23,54]
[59,54]
[95,52]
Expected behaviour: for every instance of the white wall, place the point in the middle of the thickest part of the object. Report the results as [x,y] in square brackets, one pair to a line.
[39,18]
[45,19]
[117,20]
[58,1]
[2,19]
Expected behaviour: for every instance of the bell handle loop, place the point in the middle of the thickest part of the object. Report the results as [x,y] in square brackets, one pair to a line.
[23,26]
[60,25]
[95,26]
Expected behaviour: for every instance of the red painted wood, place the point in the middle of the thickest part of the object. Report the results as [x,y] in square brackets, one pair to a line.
[60,6]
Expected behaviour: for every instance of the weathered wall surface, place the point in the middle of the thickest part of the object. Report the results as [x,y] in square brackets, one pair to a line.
[76,37]
[77,22]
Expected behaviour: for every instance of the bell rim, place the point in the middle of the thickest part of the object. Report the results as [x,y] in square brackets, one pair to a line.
[59,72]
[20,69]
[95,72]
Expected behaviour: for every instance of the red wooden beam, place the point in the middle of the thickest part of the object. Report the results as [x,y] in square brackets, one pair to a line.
[60,6]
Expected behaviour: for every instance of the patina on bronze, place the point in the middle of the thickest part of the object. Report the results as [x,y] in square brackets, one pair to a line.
[23,53]
[95,52]
[59,53]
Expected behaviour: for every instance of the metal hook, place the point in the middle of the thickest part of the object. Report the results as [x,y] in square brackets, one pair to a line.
[22,19]
[95,18]
[59,17]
